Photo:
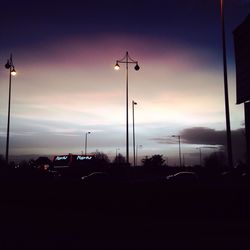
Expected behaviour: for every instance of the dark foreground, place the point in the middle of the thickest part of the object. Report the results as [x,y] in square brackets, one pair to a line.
[70,214]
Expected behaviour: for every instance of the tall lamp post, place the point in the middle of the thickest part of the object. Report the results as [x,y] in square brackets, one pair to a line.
[86,142]
[229,140]
[127,60]
[10,66]
[179,139]
[133,114]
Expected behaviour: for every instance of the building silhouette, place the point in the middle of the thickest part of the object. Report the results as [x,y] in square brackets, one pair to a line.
[242,59]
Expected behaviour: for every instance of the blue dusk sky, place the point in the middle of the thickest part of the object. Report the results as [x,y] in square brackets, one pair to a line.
[64,54]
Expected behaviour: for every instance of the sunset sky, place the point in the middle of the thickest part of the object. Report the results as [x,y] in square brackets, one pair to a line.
[66,84]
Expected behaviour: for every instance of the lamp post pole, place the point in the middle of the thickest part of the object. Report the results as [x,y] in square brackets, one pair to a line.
[179,139]
[127,60]
[86,142]
[133,115]
[9,65]
[229,140]
[200,155]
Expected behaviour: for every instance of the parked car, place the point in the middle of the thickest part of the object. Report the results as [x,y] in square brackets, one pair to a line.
[184,177]
[96,178]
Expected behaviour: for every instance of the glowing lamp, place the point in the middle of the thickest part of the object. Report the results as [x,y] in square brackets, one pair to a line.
[13,72]
[117,66]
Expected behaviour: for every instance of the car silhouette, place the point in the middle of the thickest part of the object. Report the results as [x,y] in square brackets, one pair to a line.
[184,177]
[96,178]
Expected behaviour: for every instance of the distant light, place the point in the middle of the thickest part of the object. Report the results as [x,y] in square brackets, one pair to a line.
[13,72]
[117,67]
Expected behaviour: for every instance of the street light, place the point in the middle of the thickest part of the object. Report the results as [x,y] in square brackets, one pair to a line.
[12,72]
[127,60]
[133,114]
[86,142]
[179,138]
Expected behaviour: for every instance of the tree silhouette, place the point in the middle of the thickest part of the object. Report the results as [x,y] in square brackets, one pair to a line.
[119,160]
[42,161]
[153,161]
[216,161]
[23,164]
[3,163]
[101,158]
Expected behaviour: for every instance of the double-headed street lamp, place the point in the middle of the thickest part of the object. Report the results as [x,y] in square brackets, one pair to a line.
[179,138]
[86,142]
[127,60]
[133,115]
[10,66]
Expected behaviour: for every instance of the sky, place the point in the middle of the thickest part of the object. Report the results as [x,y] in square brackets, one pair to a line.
[64,54]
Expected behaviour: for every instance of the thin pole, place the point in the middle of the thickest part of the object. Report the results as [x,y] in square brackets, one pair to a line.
[133,115]
[200,156]
[229,141]
[127,132]
[179,137]
[8,124]
[86,142]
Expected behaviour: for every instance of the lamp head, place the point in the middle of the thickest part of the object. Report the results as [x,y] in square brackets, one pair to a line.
[13,72]
[7,65]
[117,66]
[137,67]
